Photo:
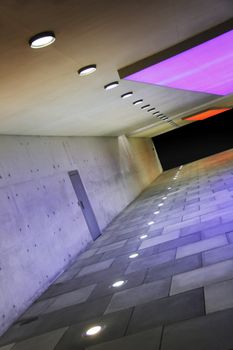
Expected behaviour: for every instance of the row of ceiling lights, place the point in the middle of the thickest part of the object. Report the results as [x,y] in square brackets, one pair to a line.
[46,38]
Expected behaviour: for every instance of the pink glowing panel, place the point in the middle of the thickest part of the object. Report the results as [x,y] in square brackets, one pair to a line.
[207,67]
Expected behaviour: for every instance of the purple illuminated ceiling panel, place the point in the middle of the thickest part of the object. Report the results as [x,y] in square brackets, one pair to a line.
[207,67]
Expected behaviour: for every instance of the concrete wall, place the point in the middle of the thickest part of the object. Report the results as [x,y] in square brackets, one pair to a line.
[41,226]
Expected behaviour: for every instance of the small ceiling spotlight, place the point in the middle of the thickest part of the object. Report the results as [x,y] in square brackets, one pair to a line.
[133,256]
[112,85]
[150,223]
[138,102]
[42,39]
[144,107]
[127,94]
[93,330]
[143,236]
[151,109]
[91,68]
[118,284]
[156,212]
[160,204]
[164,198]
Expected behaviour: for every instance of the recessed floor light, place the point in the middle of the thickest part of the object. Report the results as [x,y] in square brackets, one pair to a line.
[93,330]
[91,68]
[143,236]
[133,256]
[42,39]
[160,204]
[138,102]
[112,85]
[150,223]
[127,94]
[118,284]
[156,212]
[144,107]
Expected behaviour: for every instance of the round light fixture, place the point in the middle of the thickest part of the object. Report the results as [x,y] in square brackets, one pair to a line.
[164,198]
[143,236]
[144,107]
[150,223]
[91,68]
[160,204]
[151,109]
[156,212]
[93,330]
[127,94]
[42,39]
[118,284]
[138,102]
[133,256]
[112,85]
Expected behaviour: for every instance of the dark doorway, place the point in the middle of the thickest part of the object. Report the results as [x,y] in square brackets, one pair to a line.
[84,203]
[195,141]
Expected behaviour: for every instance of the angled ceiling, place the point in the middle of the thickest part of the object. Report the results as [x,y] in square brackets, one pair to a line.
[41,92]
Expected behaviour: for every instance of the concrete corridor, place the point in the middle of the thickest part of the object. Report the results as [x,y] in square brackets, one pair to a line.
[177,293]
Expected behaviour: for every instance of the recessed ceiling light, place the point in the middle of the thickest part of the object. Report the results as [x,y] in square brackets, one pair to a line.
[144,107]
[93,330]
[112,85]
[169,188]
[118,284]
[143,236]
[151,109]
[91,68]
[138,102]
[42,39]
[127,94]
[156,212]
[150,223]
[164,198]
[160,204]
[133,256]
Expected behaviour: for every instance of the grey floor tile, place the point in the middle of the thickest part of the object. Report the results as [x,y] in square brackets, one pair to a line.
[148,340]
[168,310]
[96,267]
[219,296]
[218,254]
[114,326]
[201,246]
[159,239]
[138,295]
[46,341]
[153,260]
[37,308]
[212,332]
[112,246]
[7,347]
[178,266]
[202,277]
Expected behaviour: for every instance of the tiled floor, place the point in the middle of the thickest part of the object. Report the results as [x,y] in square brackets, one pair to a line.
[178,291]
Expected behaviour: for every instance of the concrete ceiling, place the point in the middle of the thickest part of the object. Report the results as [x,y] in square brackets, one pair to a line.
[41,92]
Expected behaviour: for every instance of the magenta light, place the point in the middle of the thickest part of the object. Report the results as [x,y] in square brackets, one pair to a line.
[207,67]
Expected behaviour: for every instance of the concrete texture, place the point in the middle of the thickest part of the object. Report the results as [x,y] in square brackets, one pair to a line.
[186,300]
[42,227]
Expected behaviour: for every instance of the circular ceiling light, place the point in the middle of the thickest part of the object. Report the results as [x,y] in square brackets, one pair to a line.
[118,284]
[156,212]
[127,94]
[143,236]
[91,68]
[133,256]
[112,85]
[151,109]
[138,102]
[164,198]
[144,107]
[42,39]
[150,223]
[93,330]
[160,204]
